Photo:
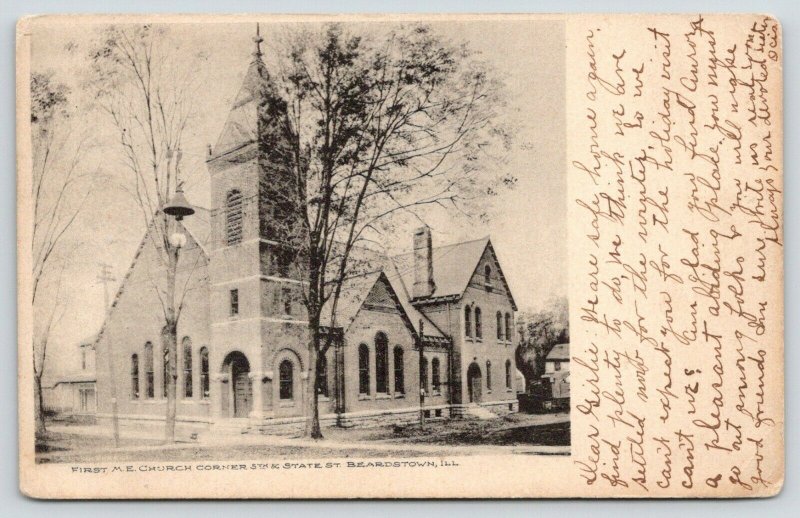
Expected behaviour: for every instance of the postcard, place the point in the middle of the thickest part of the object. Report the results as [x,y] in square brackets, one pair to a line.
[400,256]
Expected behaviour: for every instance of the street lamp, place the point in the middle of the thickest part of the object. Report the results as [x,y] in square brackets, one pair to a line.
[178,206]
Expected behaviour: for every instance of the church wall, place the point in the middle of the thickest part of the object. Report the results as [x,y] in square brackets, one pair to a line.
[137,318]
[364,330]
[284,341]
[488,347]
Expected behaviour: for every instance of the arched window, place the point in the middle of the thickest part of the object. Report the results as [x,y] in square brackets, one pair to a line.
[233,217]
[322,375]
[487,275]
[467,321]
[488,375]
[381,364]
[508,374]
[423,374]
[508,327]
[363,369]
[135,376]
[499,326]
[165,377]
[436,380]
[478,327]
[149,371]
[399,381]
[286,380]
[187,367]
[204,381]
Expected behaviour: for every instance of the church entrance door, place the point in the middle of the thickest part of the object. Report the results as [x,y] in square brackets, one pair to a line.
[474,383]
[241,385]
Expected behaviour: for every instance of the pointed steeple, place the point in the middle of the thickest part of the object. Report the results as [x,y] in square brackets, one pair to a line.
[241,127]
[258,40]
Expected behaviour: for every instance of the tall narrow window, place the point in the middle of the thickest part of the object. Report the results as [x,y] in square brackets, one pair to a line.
[83,358]
[287,300]
[399,381]
[487,275]
[204,380]
[165,377]
[234,294]
[187,367]
[149,371]
[135,376]
[286,380]
[508,374]
[436,380]
[508,327]
[499,326]
[322,375]
[488,375]
[467,321]
[381,364]
[233,217]
[363,369]
[423,375]
[478,326]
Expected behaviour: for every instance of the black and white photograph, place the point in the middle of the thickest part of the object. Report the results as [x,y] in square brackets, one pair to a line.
[293,240]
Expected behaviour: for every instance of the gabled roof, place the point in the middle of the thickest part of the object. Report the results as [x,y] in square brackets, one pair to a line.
[355,291]
[353,294]
[199,229]
[453,267]
[559,352]
[414,315]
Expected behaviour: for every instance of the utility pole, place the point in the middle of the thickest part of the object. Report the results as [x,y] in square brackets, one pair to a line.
[423,374]
[106,277]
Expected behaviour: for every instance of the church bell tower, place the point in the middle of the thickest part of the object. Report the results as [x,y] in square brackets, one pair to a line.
[254,306]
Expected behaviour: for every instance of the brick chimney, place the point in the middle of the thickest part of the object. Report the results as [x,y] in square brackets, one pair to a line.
[423,263]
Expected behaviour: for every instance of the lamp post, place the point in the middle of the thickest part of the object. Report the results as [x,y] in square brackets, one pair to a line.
[178,208]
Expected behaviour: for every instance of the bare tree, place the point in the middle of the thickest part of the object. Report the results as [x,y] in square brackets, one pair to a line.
[374,128]
[540,331]
[144,89]
[58,193]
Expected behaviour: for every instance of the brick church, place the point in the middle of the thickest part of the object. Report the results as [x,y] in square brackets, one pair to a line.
[242,332]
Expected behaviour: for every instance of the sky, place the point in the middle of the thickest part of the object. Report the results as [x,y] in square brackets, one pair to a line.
[528,227]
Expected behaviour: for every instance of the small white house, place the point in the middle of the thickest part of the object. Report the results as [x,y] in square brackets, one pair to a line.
[73,392]
[556,370]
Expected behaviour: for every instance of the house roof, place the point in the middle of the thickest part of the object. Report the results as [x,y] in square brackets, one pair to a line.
[453,266]
[79,377]
[355,291]
[559,352]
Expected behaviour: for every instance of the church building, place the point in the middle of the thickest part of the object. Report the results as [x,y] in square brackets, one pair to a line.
[437,320]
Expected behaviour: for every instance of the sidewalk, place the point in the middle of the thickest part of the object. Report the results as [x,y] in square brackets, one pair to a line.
[223,441]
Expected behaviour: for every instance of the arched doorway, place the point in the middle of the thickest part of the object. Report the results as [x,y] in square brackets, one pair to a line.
[241,394]
[474,381]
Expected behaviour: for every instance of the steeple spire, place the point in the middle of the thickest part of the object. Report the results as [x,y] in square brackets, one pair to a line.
[258,40]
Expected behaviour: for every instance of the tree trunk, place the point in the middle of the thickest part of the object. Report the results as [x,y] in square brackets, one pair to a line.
[313,428]
[38,405]
[170,341]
